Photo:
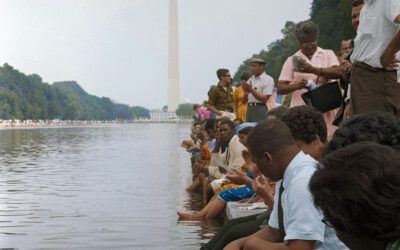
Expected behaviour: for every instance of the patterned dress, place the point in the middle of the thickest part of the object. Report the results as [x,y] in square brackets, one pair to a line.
[237,194]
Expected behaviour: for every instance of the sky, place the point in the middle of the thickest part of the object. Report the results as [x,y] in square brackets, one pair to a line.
[119,48]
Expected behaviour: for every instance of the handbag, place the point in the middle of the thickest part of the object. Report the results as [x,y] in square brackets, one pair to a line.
[325,97]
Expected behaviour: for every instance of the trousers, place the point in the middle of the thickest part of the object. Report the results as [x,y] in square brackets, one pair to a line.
[374,90]
[236,229]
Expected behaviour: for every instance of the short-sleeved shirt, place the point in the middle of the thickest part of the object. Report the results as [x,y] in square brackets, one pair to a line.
[377,28]
[322,58]
[221,98]
[263,84]
[301,219]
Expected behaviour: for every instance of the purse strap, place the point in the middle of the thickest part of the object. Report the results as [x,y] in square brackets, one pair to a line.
[282,232]
[316,82]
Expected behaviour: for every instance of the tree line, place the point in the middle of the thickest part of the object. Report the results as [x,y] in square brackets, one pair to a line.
[28,97]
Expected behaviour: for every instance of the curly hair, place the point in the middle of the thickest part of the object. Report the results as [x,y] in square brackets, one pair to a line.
[306,123]
[357,189]
[382,128]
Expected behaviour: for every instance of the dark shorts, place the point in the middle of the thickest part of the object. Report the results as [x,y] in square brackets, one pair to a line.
[374,90]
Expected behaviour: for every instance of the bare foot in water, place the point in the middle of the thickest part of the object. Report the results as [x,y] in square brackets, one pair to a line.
[186,216]
[191,189]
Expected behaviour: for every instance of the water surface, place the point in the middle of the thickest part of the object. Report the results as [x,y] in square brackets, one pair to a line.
[109,187]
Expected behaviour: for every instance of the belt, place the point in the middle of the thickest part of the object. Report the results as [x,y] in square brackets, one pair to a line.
[369,67]
[256,104]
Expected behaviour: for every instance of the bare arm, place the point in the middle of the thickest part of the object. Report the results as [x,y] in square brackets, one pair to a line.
[263,188]
[269,238]
[255,244]
[211,108]
[269,201]
[266,234]
[388,58]
[397,19]
[332,72]
[245,98]
[284,87]
[259,96]
[248,181]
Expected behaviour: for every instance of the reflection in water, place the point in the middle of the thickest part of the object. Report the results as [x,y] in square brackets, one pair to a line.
[115,187]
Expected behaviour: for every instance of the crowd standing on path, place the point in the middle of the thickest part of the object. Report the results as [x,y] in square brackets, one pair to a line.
[328,171]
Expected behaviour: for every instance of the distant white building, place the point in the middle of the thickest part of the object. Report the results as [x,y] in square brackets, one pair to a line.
[160,115]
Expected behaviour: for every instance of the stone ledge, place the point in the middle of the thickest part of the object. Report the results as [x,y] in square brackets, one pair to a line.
[233,210]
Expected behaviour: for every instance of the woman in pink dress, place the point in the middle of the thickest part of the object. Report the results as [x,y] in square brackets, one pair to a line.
[309,63]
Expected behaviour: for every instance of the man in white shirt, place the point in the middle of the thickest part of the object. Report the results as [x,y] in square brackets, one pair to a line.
[295,223]
[257,91]
[374,83]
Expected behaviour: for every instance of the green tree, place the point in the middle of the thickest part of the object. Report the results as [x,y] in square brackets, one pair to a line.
[276,54]
[28,97]
[185,110]
[334,20]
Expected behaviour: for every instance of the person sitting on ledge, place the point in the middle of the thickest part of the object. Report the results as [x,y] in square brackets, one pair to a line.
[357,188]
[310,132]
[295,223]
[193,146]
[308,129]
[237,122]
[220,113]
[201,113]
[226,156]
[221,96]
[382,128]
[200,168]
[217,205]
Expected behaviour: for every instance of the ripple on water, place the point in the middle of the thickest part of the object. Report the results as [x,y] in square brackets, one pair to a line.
[115,187]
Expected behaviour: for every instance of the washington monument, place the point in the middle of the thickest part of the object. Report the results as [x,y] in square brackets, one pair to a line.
[173,58]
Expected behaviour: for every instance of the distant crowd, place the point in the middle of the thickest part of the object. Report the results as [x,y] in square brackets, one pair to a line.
[319,149]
